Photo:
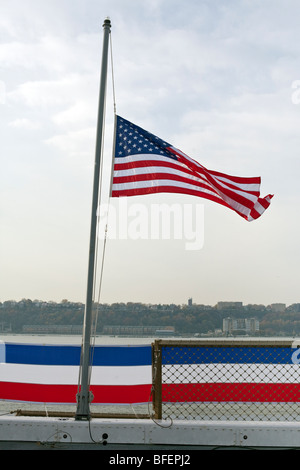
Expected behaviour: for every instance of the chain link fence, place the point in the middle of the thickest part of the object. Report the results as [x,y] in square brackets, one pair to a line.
[226,380]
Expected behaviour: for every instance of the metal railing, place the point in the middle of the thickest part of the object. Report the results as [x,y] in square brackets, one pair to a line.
[229,379]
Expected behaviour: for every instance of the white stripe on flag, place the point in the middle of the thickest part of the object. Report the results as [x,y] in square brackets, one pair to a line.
[231,373]
[68,375]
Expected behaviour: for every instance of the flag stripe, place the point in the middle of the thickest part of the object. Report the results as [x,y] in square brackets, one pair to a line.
[154,188]
[66,394]
[231,373]
[230,392]
[70,355]
[144,164]
[68,375]
[229,355]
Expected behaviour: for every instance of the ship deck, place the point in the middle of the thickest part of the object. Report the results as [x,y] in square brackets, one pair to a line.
[45,433]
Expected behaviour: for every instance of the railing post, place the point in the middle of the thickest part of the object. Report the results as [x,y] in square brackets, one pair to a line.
[157,379]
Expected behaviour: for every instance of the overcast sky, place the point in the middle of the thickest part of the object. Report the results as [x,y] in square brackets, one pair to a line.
[218,79]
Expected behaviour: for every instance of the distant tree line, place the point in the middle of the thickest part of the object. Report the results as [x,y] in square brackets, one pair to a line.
[186,319]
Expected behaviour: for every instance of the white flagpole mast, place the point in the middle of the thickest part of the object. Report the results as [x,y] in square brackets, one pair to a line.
[83,397]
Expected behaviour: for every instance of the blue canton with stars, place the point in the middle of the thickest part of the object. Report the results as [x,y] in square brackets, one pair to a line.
[133,140]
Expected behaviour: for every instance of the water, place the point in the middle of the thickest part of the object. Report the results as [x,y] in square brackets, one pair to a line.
[119,340]
[73,339]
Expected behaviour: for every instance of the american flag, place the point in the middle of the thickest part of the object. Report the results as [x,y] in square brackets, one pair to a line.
[146,164]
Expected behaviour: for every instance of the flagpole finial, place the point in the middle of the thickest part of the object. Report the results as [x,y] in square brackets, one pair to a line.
[107,22]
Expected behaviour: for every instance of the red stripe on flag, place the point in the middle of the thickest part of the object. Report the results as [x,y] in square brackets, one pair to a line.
[162,176]
[166,189]
[231,392]
[145,163]
[46,393]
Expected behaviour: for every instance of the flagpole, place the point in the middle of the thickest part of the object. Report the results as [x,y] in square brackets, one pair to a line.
[83,397]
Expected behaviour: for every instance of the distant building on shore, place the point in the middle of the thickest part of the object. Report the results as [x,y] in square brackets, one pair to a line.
[53,329]
[244,325]
[277,307]
[229,305]
[131,330]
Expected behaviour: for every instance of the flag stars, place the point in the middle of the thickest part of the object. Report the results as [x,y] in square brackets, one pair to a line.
[132,140]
